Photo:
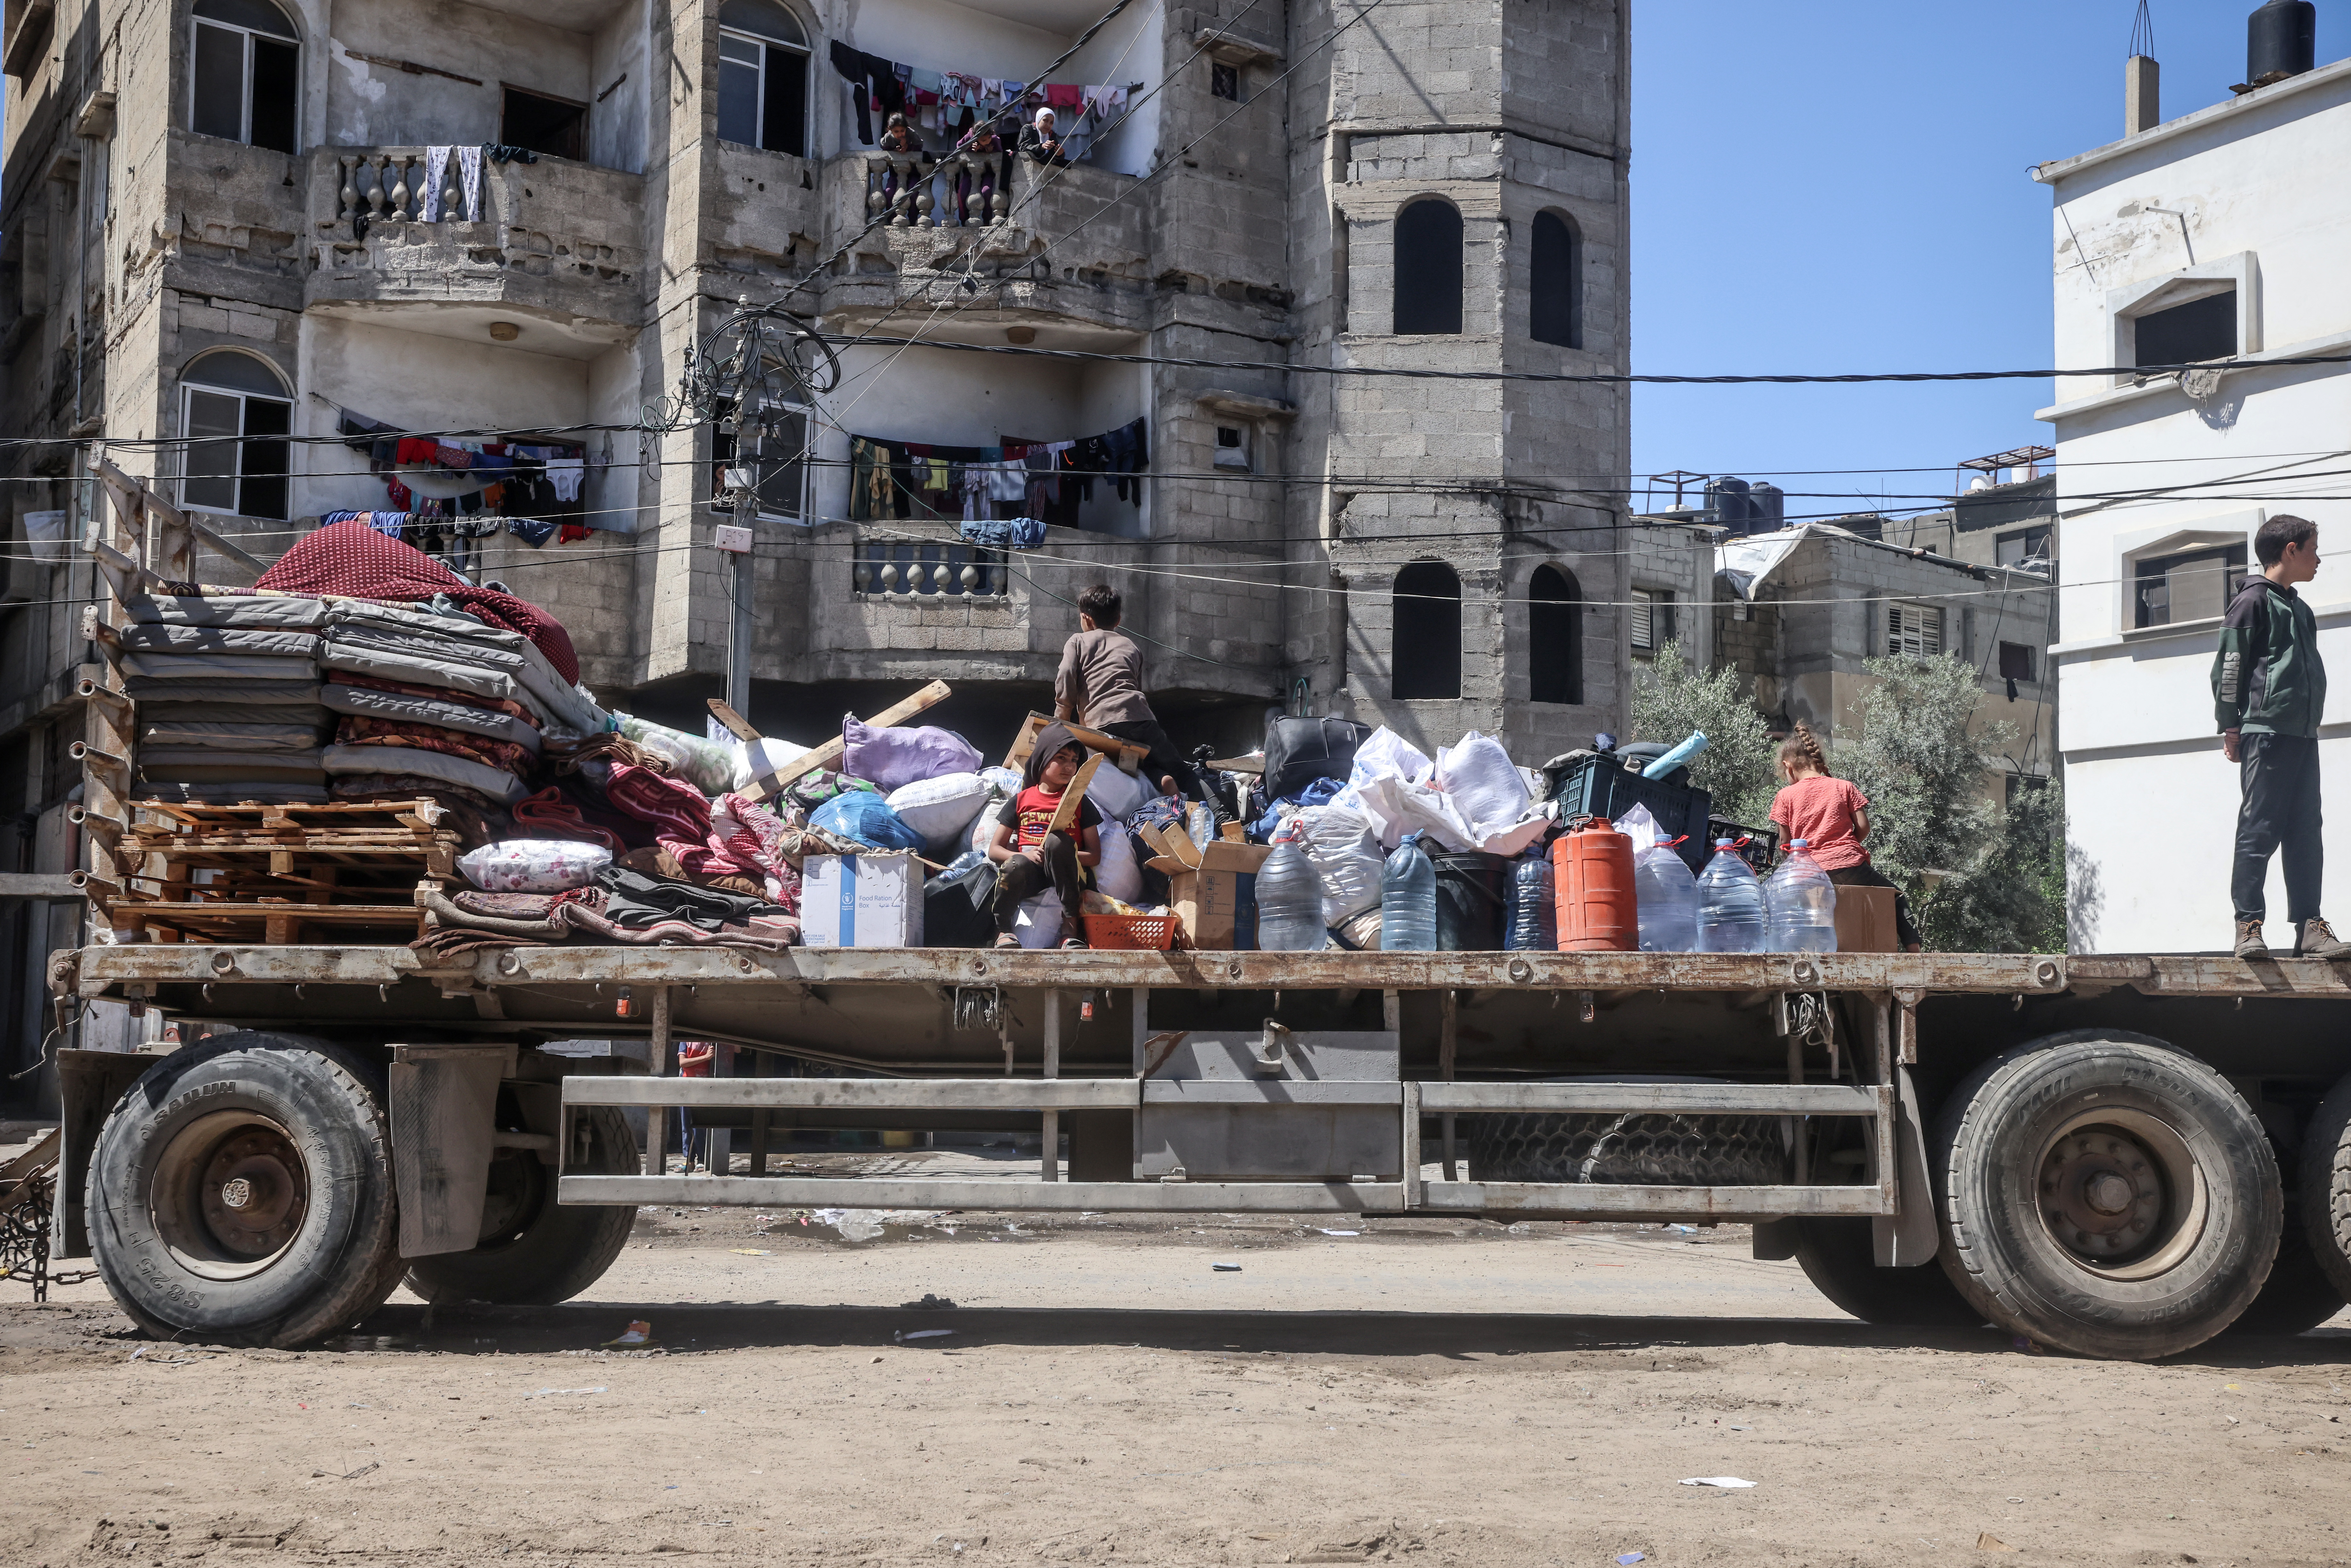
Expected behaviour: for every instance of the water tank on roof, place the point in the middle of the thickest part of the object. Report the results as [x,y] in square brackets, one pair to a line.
[1728,499]
[2281,41]
[1769,505]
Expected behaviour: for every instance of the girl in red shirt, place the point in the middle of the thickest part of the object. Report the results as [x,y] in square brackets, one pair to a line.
[1832,819]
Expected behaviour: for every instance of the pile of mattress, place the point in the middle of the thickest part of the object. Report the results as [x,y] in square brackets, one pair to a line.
[427,702]
[228,693]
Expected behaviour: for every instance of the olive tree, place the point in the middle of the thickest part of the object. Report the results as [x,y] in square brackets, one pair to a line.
[1670,699]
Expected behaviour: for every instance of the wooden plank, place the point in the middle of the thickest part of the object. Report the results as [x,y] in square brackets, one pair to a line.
[828,754]
[1060,1196]
[1129,754]
[860,1094]
[1065,815]
[1690,1099]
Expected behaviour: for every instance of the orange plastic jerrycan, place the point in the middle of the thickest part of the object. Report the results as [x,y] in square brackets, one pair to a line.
[1595,873]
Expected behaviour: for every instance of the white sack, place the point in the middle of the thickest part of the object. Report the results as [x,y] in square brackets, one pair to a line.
[1397,806]
[1345,850]
[775,756]
[941,809]
[1487,790]
[1115,793]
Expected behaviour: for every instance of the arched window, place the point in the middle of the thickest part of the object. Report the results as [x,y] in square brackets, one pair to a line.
[763,77]
[1428,267]
[1555,282]
[236,414]
[247,73]
[1554,637]
[1426,653]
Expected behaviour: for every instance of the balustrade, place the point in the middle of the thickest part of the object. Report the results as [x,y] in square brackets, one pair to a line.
[931,569]
[386,185]
[952,190]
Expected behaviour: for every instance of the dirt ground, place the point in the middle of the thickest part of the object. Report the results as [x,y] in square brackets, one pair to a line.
[1441,1392]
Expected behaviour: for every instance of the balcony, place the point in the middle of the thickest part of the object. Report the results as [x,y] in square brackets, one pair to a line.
[559,241]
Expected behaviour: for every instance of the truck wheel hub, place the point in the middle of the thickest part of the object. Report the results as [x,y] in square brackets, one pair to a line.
[229,1191]
[2120,1194]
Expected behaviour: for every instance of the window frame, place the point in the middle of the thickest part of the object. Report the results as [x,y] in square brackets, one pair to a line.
[1425,662]
[1423,290]
[1899,644]
[1643,619]
[2148,296]
[2048,532]
[191,387]
[1569,609]
[2024,657]
[1571,286]
[291,38]
[2143,569]
[765,70]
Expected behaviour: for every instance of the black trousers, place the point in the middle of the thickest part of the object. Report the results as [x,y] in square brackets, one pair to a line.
[2280,811]
[1021,878]
[1164,761]
[1905,933]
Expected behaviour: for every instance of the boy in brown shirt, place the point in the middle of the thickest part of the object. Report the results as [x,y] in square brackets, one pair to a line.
[1100,685]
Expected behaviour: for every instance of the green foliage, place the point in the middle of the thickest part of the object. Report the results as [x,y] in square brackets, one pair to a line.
[1981,876]
[1670,699]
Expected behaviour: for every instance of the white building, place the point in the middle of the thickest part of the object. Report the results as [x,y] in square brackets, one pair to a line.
[2221,234]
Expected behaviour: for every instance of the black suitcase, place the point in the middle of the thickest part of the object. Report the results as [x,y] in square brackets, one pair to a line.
[1297,751]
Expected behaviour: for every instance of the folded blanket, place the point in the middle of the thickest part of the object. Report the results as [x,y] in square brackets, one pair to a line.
[155,711]
[166,637]
[547,815]
[394,732]
[242,610]
[499,785]
[426,645]
[303,693]
[371,702]
[171,734]
[397,666]
[253,793]
[416,618]
[192,666]
[770,934]
[475,805]
[248,772]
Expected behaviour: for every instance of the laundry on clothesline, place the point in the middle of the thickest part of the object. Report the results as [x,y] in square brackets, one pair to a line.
[1004,533]
[1020,478]
[947,101]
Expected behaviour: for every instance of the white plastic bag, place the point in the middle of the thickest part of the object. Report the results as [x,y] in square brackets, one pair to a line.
[1116,792]
[533,865]
[1120,874]
[1385,751]
[1038,922]
[1488,792]
[984,826]
[774,756]
[941,808]
[1397,806]
[44,537]
[1345,851]
[1640,827]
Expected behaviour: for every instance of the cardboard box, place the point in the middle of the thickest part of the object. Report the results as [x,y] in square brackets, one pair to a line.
[1865,920]
[1205,885]
[862,901]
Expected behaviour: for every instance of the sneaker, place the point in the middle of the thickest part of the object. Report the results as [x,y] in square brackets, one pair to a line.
[2316,940]
[2249,944]
[1006,939]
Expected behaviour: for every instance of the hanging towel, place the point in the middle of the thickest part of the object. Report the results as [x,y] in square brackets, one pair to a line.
[1063,95]
[469,169]
[436,165]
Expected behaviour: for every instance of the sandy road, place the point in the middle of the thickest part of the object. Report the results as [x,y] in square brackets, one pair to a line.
[1448,1393]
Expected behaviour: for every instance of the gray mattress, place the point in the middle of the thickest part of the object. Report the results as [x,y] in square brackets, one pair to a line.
[300,693]
[426,645]
[228,610]
[195,666]
[268,794]
[495,783]
[366,702]
[556,699]
[414,619]
[389,665]
[243,640]
[310,715]
[170,735]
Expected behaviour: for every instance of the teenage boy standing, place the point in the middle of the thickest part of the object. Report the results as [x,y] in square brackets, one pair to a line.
[2269,690]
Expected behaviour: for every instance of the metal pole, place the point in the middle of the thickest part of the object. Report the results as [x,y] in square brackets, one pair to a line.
[738,645]
[1449,1020]
[1052,1161]
[658,1064]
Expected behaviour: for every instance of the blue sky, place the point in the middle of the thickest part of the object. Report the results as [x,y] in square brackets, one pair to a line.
[1834,186]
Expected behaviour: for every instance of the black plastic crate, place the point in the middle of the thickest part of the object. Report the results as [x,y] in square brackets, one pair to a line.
[1599,786]
[1761,850]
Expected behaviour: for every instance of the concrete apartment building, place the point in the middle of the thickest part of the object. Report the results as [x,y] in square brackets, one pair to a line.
[2216,236]
[252,223]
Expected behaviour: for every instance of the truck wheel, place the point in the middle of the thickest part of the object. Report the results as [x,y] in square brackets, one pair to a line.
[1840,1259]
[2297,1296]
[242,1193]
[535,1252]
[2107,1195]
[1663,1147]
[2325,1186]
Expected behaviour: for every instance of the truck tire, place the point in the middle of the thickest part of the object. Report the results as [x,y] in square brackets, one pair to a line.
[535,1252]
[2297,1296]
[1839,1257]
[2326,1186]
[241,1193]
[1661,1147]
[2105,1194]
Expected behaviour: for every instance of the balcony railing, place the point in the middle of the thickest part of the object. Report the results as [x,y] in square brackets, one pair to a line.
[954,190]
[929,570]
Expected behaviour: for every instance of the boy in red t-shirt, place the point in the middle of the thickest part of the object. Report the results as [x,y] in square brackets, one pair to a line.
[1832,819]
[1029,858]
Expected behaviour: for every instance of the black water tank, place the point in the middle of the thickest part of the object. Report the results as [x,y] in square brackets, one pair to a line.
[1727,499]
[1770,505]
[2281,41]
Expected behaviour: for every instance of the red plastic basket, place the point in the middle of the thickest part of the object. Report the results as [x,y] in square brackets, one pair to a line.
[1132,933]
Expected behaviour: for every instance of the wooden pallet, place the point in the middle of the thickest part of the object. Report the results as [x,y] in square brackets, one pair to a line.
[269,873]
[265,923]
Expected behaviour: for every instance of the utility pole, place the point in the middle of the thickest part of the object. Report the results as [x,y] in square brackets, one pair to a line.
[738,644]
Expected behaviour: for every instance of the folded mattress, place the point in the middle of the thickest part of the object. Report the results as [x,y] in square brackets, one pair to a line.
[271,793]
[393,665]
[367,702]
[173,733]
[289,612]
[359,613]
[299,693]
[496,782]
[199,666]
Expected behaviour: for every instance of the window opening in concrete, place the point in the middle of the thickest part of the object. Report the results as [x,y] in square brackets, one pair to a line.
[1225,81]
[2015,661]
[1913,631]
[2033,544]
[1426,651]
[1653,618]
[2202,328]
[244,60]
[1232,448]
[2193,585]
[770,453]
[763,77]
[1555,282]
[1554,637]
[1428,267]
[235,414]
[557,127]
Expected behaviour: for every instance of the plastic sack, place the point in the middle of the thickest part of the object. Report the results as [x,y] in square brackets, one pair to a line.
[1005,781]
[1120,874]
[1038,923]
[866,818]
[704,764]
[984,826]
[1116,792]
[894,754]
[1484,783]
[534,865]
[45,538]
[1398,807]
[774,756]
[1345,851]
[941,808]
[1640,827]
[1384,752]
[810,790]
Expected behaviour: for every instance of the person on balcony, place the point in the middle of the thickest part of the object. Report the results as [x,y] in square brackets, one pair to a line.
[976,185]
[899,137]
[1040,139]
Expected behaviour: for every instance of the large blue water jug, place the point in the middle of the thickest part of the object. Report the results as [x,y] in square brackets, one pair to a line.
[1731,911]
[1408,900]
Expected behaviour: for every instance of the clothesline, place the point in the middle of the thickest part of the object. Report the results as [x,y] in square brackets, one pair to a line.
[891,479]
[878,85]
[444,493]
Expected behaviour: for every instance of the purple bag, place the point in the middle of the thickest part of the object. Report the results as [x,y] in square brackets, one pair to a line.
[892,756]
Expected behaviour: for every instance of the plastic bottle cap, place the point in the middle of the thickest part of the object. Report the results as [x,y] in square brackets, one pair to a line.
[1800,843]
[1722,843]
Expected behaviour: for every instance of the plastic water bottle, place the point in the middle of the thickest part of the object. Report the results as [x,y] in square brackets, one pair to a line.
[1289,900]
[1408,900]
[1666,895]
[1200,824]
[1801,902]
[1534,908]
[1730,917]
